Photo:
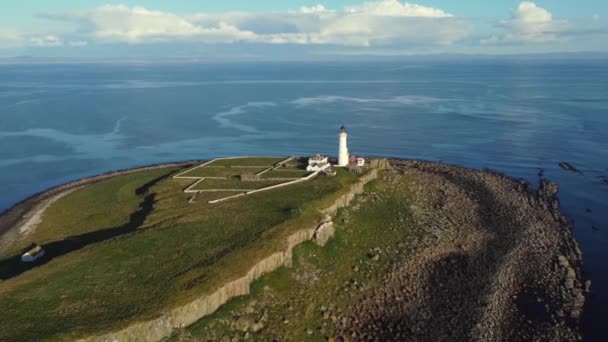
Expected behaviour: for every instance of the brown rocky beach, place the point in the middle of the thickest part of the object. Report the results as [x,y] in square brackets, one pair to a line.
[496,262]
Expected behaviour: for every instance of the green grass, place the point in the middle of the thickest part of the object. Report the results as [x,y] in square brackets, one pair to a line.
[102,205]
[285,174]
[222,171]
[233,183]
[181,252]
[214,195]
[247,162]
[297,164]
[319,273]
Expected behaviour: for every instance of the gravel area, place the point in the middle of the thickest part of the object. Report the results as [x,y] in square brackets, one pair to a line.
[495,261]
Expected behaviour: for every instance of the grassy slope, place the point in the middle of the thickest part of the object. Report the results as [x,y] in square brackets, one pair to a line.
[297,295]
[97,206]
[233,183]
[179,253]
[222,172]
[247,162]
[285,174]
[298,164]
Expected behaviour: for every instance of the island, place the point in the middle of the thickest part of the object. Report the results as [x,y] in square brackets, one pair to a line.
[291,248]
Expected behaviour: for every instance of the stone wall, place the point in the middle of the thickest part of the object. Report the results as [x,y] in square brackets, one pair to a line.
[157,329]
[250,178]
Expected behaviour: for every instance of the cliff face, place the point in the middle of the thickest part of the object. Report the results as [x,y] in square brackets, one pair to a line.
[157,329]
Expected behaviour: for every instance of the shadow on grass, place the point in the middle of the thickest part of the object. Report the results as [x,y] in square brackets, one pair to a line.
[13,266]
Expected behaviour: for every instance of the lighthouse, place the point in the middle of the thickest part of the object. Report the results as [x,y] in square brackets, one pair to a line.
[343,152]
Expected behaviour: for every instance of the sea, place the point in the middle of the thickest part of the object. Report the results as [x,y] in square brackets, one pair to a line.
[520,116]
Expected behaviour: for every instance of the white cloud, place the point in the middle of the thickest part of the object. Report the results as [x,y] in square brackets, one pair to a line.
[530,24]
[397,9]
[78,43]
[137,24]
[596,17]
[9,38]
[373,23]
[313,9]
[45,41]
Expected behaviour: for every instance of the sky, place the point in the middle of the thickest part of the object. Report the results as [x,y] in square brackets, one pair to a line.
[267,29]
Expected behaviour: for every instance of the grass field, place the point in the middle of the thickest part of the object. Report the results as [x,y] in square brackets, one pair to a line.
[214,195]
[285,174]
[233,183]
[222,171]
[148,251]
[297,163]
[247,162]
[297,304]
[95,207]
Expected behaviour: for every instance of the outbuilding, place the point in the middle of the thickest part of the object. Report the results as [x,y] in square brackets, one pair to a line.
[318,163]
[32,253]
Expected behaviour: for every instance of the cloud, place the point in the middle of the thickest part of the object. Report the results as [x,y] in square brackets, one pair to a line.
[397,9]
[78,43]
[530,24]
[45,41]
[121,23]
[9,38]
[15,39]
[379,22]
[313,9]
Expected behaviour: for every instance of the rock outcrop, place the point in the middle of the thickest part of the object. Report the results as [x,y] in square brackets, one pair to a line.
[494,260]
[324,232]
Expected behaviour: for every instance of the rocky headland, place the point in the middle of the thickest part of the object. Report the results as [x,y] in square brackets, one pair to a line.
[468,255]
[490,258]
[495,261]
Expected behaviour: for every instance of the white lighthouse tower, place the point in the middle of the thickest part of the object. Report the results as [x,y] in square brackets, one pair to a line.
[343,152]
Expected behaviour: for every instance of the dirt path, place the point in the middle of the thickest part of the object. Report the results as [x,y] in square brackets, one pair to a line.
[31,219]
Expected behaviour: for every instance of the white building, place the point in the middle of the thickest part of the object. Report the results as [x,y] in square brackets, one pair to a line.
[343,151]
[32,254]
[318,163]
[360,161]
[318,167]
[318,159]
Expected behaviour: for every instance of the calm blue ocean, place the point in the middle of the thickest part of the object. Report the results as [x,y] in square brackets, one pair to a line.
[60,122]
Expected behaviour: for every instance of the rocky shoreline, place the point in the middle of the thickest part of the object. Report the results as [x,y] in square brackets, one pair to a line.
[495,261]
